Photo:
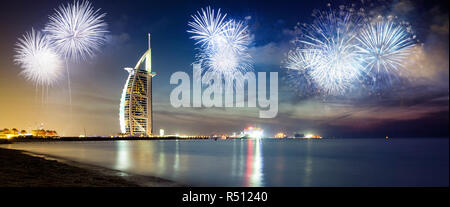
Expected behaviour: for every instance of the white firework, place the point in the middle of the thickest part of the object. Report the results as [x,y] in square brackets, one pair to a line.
[77,30]
[227,52]
[236,36]
[327,51]
[223,45]
[207,26]
[40,63]
[384,47]
[302,59]
[344,49]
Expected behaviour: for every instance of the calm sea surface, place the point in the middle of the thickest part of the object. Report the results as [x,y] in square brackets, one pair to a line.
[268,162]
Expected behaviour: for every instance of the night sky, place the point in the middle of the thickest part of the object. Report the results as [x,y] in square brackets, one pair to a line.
[418,106]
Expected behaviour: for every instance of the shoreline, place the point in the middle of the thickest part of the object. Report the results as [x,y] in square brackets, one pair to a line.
[20,168]
[76,139]
[107,139]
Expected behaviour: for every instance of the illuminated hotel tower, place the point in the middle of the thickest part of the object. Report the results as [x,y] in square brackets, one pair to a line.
[136,102]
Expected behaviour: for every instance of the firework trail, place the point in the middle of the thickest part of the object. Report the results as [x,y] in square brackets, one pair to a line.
[77,32]
[384,46]
[223,45]
[40,63]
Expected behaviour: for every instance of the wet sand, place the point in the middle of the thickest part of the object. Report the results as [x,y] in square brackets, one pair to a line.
[24,169]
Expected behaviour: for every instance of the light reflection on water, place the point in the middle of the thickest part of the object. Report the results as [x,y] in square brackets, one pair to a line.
[254,177]
[267,162]
[308,165]
[123,160]
[176,163]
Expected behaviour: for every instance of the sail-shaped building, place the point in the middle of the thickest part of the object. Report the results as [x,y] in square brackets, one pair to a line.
[136,102]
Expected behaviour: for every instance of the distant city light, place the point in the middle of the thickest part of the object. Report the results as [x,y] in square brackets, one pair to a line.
[253,132]
[311,136]
[38,133]
[280,135]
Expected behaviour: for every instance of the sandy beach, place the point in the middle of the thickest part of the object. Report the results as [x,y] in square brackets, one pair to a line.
[24,169]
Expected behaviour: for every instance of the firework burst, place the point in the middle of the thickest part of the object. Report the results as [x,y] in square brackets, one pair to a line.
[302,59]
[327,52]
[41,64]
[223,45]
[350,48]
[384,46]
[207,27]
[299,61]
[77,30]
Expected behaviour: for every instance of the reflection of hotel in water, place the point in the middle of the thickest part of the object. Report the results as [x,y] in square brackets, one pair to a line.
[136,103]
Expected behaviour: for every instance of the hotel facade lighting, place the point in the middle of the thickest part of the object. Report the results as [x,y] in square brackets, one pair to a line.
[135,113]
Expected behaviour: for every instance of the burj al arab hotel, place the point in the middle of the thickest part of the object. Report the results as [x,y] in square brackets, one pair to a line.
[136,102]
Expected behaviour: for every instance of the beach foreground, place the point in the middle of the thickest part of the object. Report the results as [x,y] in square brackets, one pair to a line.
[375,162]
[20,169]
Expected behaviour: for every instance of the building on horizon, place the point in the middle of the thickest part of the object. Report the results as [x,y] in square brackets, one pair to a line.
[135,113]
[38,133]
[42,133]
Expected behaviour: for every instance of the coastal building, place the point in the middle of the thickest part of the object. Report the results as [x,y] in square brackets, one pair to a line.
[6,134]
[135,114]
[44,133]
[281,135]
[41,133]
